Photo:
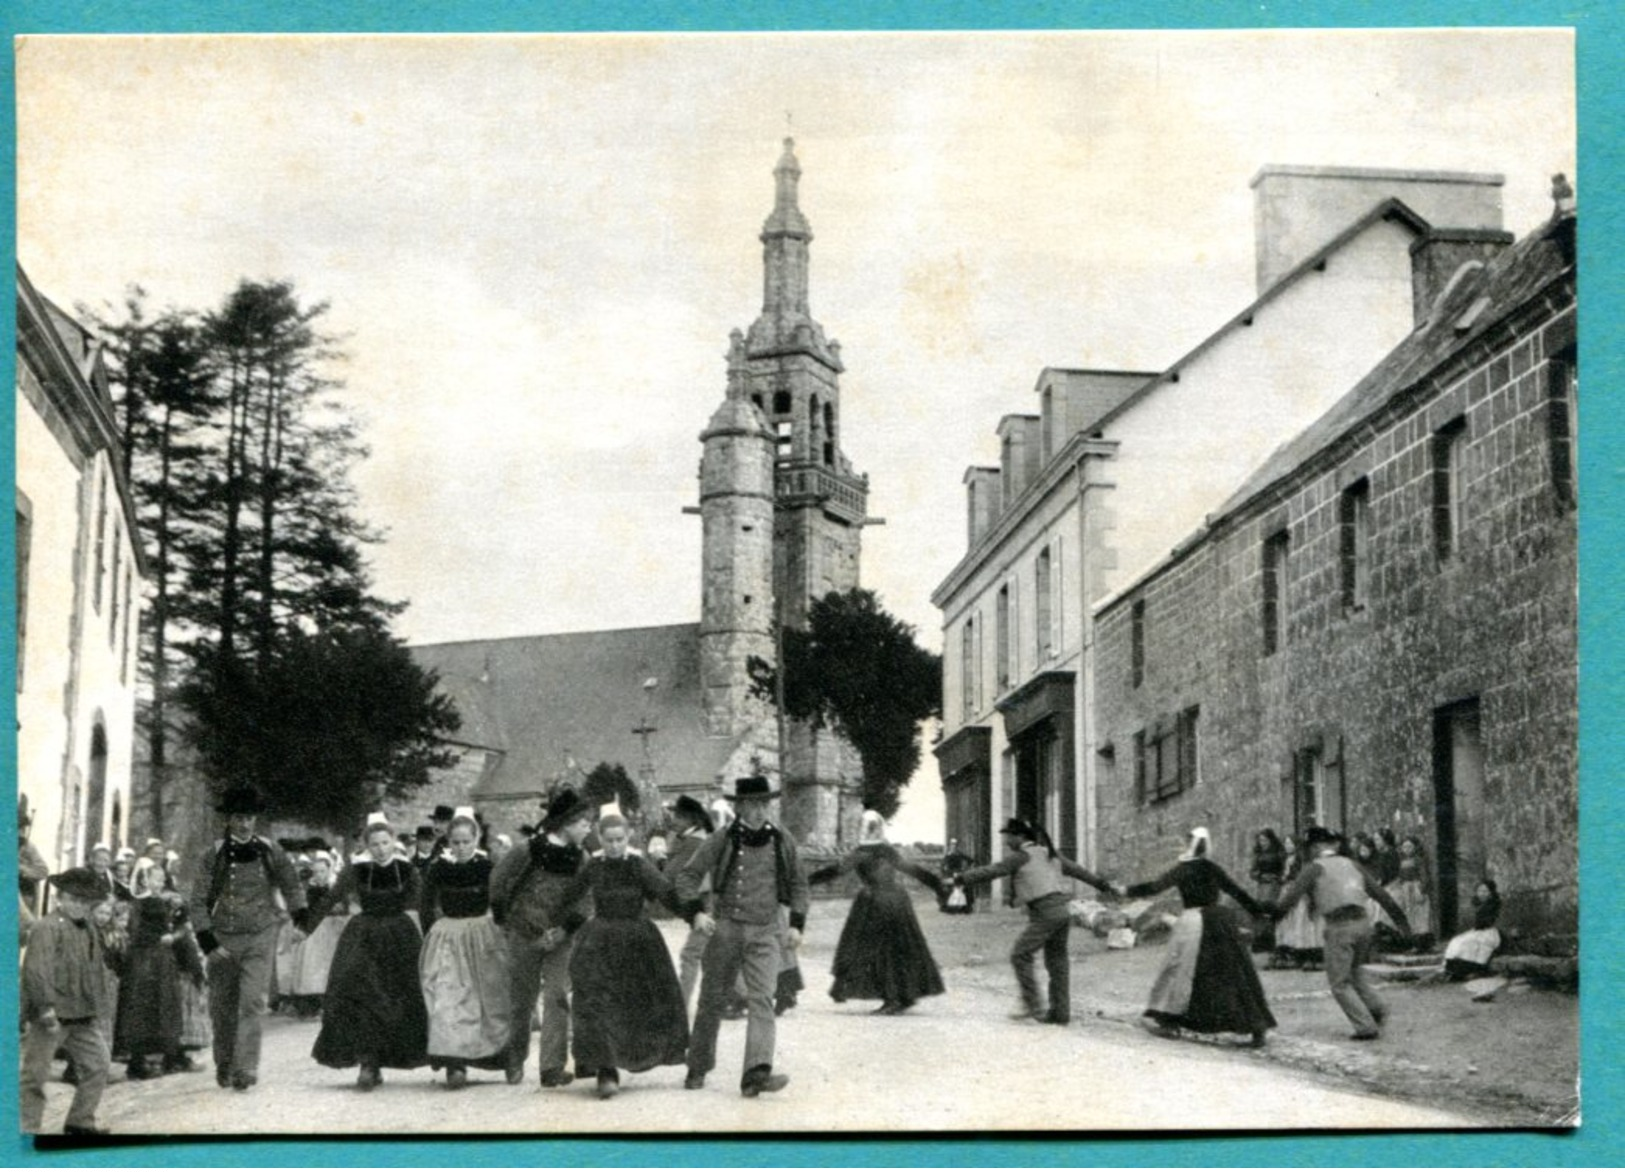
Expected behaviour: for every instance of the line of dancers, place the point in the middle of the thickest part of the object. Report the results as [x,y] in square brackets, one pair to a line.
[551,921]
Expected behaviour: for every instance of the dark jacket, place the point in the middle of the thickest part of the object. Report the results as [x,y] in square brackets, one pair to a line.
[64,969]
[533,888]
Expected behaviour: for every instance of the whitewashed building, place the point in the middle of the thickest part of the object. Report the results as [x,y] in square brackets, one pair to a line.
[79,582]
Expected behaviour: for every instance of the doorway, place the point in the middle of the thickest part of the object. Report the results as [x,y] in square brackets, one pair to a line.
[1458,804]
[96,792]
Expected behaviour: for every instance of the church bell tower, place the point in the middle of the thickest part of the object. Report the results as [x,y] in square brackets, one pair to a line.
[781,425]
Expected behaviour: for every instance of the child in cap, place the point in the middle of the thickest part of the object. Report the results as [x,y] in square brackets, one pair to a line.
[64,992]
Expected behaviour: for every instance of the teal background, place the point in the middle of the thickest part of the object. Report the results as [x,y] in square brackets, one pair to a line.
[1601,54]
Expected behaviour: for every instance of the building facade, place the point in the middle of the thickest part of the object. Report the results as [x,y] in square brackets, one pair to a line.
[1378,630]
[80,574]
[1118,466]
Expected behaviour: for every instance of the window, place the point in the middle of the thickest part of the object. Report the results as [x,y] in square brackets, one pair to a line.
[1562,390]
[1001,621]
[781,403]
[1447,446]
[101,536]
[114,598]
[128,632]
[1044,613]
[25,536]
[1137,642]
[1354,532]
[1166,757]
[786,435]
[968,655]
[1275,579]
[1317,782]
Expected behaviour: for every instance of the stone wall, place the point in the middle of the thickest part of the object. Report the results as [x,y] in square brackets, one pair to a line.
[1493,622]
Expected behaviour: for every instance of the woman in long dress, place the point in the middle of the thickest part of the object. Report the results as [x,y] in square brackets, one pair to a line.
[315,956]
[882,954]
[1410,890]
[148,1022]
[628,1006]
[1298,938]
[464,966]
[1268,871]
[373,1014]
[1208,984]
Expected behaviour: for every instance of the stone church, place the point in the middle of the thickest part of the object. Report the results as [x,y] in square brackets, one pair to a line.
[782,513]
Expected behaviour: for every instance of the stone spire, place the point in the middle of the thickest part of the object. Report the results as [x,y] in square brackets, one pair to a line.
[785,324]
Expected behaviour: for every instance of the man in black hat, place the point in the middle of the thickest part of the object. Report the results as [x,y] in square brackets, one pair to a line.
[64,994]
[693,823]
[1338,889]
[235,914]
[441,818]
[753,870]
[535,897]
[31,868]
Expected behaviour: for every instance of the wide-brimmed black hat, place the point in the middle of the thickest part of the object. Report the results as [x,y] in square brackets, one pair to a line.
[753,787]
[1321,834]
[1020,826]
[690,808]
[241,799]
[565,808]
[426,834]
[81,883]
[443,814]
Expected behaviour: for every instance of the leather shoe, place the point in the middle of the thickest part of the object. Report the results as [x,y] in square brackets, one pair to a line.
[608,1083]
[457,1078]
[181,1065]
[1051,1019]
[761,1084]
[84,1129]
[1365,1036]
[222,1077]
[515,1074]
[1024,1014]
[557,1078]
[694,1082]
[369,1077]
[242,1080]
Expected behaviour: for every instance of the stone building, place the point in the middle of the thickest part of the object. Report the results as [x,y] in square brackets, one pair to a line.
[80,573]
[782,513]
[1378,628]
[1117,466]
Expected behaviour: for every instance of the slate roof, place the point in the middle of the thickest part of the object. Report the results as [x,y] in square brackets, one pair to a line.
[545,700]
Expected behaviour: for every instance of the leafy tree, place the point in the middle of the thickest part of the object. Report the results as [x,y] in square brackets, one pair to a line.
[611,783]
[857,669]
[330,724]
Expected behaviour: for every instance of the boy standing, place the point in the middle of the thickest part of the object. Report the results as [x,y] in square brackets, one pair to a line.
[64,989]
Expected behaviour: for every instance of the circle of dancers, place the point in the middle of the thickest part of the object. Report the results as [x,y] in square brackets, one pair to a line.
[435,950]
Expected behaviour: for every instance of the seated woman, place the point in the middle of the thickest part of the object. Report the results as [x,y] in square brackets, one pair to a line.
[1468,954]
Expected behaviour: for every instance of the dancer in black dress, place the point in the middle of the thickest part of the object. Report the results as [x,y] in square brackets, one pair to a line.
[1208,983]
[373,1014]
[882,954]
[629,1012]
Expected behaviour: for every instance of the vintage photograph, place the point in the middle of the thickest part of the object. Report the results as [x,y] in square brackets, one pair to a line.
[793,584]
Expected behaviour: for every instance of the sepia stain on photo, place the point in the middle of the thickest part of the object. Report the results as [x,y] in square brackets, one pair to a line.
[928,582]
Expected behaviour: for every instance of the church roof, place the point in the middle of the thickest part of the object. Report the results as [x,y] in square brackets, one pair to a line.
[545,701]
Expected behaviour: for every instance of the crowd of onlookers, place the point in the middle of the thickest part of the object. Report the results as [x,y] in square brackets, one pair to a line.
[1400,866]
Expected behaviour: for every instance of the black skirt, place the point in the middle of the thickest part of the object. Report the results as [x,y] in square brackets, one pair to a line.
[149,1003]
[1226,994]
[626,1005]
[882,954]
[374,1007]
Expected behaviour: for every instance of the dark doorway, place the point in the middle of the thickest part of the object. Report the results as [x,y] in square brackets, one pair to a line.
[1458,804]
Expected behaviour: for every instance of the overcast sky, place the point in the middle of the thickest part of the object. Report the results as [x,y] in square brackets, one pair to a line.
[536,248]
